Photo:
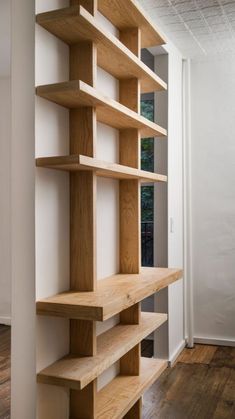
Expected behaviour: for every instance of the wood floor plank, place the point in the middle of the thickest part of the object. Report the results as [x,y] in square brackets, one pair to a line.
[5,359]
[191,391]
[200,354]
[224,356]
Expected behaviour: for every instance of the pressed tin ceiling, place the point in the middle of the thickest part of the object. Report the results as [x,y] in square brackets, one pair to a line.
[196,27]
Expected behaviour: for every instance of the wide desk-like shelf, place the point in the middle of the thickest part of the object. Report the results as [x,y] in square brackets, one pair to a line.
[113,294]
[75,24]
[129,14]
[75,94]
[75,163]
[77,372]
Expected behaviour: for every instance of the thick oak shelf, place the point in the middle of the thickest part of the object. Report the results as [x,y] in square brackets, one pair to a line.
[75,94]
[117,398]
[113,295]
[75,24]
[128,14]
[76,373]
[102,168]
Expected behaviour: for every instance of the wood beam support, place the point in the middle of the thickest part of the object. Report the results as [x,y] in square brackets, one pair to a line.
[90,5]
[129,202]
[135,412]
[83,66]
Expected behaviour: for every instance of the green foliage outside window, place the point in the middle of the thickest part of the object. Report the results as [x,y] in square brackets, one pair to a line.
[147,192]
[147,144]
[147,163]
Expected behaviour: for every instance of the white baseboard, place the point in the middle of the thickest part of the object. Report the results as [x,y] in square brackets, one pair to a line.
[176,353]
[216,342]
[5,320]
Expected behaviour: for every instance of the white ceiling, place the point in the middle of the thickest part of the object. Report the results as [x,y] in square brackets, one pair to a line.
[196,27]
[5,34]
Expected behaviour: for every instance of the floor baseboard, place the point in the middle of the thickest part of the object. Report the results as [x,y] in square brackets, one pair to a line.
[216,342]
[5,320]
[176,353]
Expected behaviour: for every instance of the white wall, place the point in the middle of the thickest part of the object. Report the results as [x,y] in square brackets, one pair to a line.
[175,201]
[23,383]
[5,149]
[52,211]
[213,198]
[169,340]
[5,234]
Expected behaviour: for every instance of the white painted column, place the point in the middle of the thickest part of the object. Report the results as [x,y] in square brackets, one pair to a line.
[23,378]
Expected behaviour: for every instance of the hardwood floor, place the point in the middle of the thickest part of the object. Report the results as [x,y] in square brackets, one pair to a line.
[200,386]
[5,358]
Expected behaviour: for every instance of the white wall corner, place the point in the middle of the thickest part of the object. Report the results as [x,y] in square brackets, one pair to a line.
[176,353]
[6,321]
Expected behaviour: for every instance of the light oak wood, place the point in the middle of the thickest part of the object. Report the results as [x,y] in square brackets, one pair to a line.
[113,295]
[83,184]
[76,372]
[87,301]
[73,25]
[83,62]
[83,65]
[83,403]
[83,231]
[129,203]
[131,38]
[83,338]
[131,315]
[129,94]
[74,163]
[129,148]
[118,397]
[130,362]
[90,5]
[136,411]
[128,14]
[82,140]
[74,94]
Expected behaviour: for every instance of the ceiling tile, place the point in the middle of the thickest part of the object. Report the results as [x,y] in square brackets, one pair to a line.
[197,27]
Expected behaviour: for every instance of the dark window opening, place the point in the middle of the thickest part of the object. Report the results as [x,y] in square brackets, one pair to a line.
[147,192]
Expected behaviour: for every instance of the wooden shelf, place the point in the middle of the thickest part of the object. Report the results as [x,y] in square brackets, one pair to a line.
[117,398]
[74,94]
[78,372]
[102,168]
[75,24]
[128,14]
[113,295]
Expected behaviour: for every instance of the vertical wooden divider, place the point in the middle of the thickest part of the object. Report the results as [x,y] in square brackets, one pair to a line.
[129,198]
[83,66]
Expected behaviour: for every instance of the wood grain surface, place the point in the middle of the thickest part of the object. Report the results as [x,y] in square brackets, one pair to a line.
[5,358]
[197,390]
[74,25]
[201,385]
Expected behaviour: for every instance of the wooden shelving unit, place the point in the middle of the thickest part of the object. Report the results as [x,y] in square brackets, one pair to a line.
[121,398]
[101,168]
[75,24]
[77,94]
[77,372]
[128,14]
[89,300]
[113,295]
